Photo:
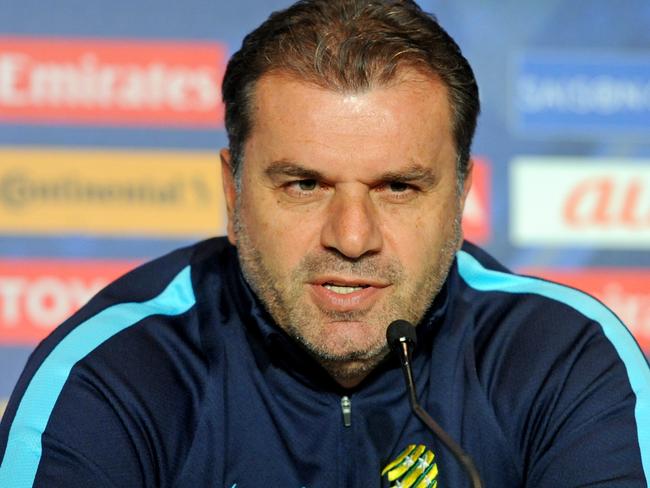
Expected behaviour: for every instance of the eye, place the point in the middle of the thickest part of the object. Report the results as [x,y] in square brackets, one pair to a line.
[398,191]
[306,185]
[305,189]
[398,186]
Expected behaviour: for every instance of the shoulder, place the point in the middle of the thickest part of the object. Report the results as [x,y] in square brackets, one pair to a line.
[532,310]
[145,304]
[553,362]
[163,287]
[132,356]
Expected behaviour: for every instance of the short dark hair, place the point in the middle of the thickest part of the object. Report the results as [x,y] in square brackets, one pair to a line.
[349,45]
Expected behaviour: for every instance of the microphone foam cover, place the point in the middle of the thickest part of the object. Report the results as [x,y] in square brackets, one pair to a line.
[399,329]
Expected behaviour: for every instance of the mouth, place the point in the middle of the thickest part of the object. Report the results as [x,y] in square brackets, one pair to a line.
[345,285]
[343,289]
[346,294]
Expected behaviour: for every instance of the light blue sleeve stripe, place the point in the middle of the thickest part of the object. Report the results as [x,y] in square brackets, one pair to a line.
[637,368]
[23,452]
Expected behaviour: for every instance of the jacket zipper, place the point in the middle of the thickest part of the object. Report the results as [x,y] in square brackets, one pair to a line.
[346,409]
[346,464]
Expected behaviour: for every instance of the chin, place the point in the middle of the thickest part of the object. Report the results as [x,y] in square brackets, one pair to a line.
[359,346]
[349,373]
[348,352]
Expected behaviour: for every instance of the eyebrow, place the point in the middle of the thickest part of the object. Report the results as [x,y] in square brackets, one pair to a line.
[293,169]
[414,172]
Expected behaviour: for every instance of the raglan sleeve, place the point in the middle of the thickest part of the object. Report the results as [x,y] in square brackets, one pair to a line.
[97,396]
[581,397]
[65,427]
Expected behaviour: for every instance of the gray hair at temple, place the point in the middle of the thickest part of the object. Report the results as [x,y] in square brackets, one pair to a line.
[349,46]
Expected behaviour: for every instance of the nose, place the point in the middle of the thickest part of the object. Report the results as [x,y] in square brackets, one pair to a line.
[352,224]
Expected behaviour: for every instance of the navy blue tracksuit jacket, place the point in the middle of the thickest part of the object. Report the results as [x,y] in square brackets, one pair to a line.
[175,376]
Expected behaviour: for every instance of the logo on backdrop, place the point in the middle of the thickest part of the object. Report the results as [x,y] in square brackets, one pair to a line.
[37,295]
[582,93]
[168,194]
[106,82]
[580,201]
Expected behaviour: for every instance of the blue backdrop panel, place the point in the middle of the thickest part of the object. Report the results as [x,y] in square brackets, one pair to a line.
[551,74]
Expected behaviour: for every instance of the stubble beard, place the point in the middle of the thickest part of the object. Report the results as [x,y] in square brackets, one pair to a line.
[284,297]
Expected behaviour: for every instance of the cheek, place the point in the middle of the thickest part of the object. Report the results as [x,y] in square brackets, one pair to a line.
[419,237]
[282,238]
[257,210]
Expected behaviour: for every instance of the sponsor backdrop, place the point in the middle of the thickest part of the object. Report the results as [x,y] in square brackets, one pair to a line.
[111,121]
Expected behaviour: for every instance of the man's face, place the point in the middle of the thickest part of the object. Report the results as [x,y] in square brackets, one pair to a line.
[348,213]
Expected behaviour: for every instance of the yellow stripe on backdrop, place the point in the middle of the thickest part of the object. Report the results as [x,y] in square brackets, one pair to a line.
[110,192]
[3,406]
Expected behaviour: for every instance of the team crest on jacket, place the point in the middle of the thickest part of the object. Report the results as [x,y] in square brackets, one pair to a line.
[413,468]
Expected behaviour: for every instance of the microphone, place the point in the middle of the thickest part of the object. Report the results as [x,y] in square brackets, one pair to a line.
[402,339]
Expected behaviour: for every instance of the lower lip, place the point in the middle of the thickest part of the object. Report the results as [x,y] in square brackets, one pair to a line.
[357,300]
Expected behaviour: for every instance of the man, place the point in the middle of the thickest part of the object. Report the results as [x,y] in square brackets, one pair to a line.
[262,360]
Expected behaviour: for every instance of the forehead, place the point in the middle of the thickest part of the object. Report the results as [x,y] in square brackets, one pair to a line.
[409,118]
[275,90]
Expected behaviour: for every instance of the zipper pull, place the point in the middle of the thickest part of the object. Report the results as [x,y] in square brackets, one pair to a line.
[346,408]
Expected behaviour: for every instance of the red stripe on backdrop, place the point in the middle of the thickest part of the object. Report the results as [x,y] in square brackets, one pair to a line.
[37,295]
[114,82]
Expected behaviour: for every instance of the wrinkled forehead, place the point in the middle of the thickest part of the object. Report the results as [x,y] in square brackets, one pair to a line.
[277,89]
[404,123]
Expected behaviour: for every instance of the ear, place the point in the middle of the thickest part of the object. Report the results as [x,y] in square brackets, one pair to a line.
[229,192]
[467,185]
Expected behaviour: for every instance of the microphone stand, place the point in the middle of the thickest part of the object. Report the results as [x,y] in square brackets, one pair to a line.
[420,413]
[401,335]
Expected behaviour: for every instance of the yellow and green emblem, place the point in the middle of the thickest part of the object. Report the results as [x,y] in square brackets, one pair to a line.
[413,468]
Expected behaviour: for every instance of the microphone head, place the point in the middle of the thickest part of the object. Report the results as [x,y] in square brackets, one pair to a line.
[400,331]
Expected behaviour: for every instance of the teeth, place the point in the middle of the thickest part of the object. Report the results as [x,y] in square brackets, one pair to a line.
[344,290]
